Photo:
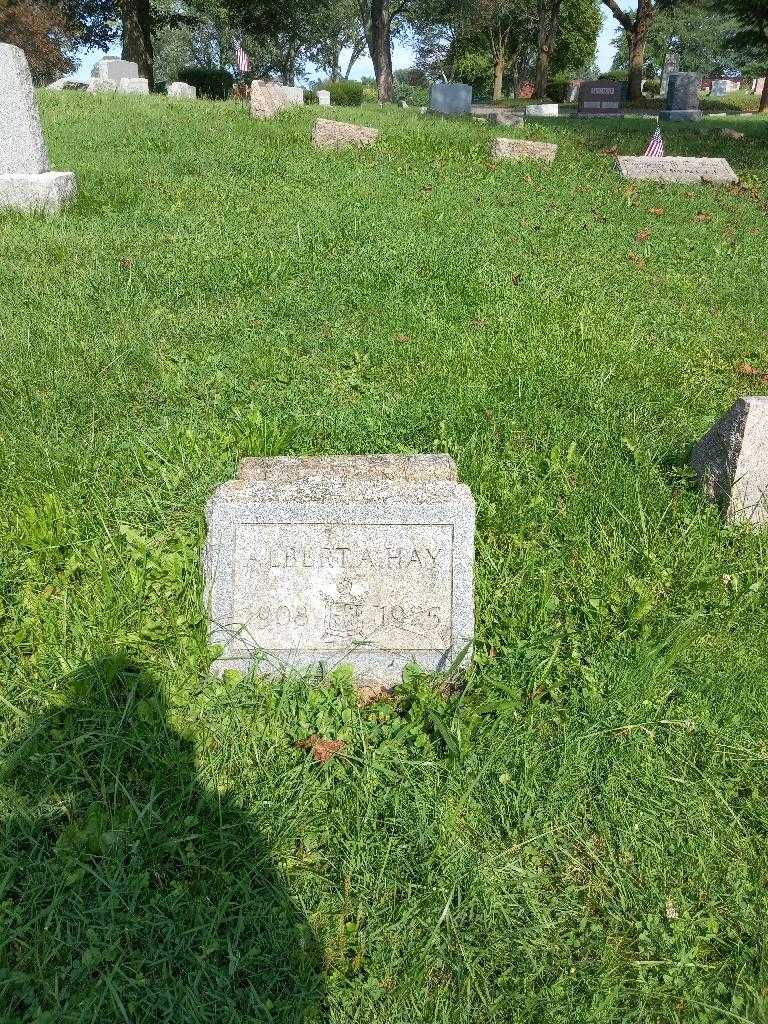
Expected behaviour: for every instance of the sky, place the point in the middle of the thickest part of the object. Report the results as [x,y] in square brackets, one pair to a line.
[402,56]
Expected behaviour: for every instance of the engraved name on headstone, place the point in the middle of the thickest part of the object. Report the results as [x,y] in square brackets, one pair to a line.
[366,561]
[600,99]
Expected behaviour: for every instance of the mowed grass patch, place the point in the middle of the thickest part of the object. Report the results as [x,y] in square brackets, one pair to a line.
[580,834]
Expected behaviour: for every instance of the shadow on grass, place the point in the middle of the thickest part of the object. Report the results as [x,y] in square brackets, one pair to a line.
[128,892]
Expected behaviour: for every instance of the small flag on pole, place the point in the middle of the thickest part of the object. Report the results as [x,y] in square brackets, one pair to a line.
[242,60]
[656,145]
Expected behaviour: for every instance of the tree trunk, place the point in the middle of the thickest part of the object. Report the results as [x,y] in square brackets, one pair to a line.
[636,30]
[498,77]
[549,16]
[137,36]
[381,49]
[764,95]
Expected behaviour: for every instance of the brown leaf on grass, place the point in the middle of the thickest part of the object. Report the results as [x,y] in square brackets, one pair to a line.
[643,236]
[403,337]
[479,324]
[599,217]
[746,369]
[702,218]
[730,133]
[321,750]
[126,263]
[657,211]
[611,151]
[637,260]
[516,279]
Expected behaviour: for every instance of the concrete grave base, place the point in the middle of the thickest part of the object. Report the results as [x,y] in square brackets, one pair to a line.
[311,563]
[542,110]
[681,115]
[182,91]
[47,192]
[731,462]
[102,85]
[137,86]
[339,134]
[523,149]
[685,170]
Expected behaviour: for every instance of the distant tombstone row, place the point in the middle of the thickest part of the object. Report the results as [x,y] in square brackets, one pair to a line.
[26,180]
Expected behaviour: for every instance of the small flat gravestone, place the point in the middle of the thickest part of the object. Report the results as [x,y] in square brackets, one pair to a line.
[450,99]
[731,462]
[600,99]
[26,181]
[102,85]
[182,91]
[323,97]
[685,170]
[542,110]
[340,134]
[523,149]
[682,98]
[364,560]
[135,86]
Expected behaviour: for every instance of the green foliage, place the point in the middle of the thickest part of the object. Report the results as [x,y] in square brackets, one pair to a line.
[414,95]
[573,833]
[345,93]
[212,83]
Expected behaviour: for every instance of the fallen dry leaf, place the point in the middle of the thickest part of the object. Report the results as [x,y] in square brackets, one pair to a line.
[516,279]
[703,218]
[746,369]
[611,151]
[637,260]
[126,264]
[321,750]
[642,236]
[657,211]
[403,337]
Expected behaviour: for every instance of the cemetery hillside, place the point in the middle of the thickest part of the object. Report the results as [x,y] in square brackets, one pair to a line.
[568,822]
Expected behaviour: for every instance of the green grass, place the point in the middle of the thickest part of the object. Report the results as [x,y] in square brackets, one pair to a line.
[580,836]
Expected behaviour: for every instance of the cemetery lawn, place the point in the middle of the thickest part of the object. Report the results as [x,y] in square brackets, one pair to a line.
[579,834]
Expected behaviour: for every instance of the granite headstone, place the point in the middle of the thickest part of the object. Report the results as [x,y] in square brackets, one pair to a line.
[682,99]
[731,462]
[362,560]
[600,99]
[450,98]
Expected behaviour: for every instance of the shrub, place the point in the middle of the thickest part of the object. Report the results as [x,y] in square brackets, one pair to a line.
[345,94]
[209,82]
[414,95]
[652,87]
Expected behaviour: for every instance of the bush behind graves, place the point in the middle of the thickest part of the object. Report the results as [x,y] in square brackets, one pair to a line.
[212,83]
[345,94]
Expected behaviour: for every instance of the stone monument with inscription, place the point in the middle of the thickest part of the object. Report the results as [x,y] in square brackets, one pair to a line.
[602,98]
[360,560]
[682,98]
[26,180]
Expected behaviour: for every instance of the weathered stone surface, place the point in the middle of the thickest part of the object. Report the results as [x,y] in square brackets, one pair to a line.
[305,567]
[523,149]
[450,98]
[287,468]
[137,86]
[115,68]
[542,110]
[294,94]
[682,98]
[340,134]
[182,90]
[22,146]
[731,462]
[508,118]
[47,192]
[682,169]
[268,99]
[102,85]
[323,97]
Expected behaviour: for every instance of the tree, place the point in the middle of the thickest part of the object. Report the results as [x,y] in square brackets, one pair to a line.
[636,28]
[549,14]
[46,36]
[336,26]
[752,16]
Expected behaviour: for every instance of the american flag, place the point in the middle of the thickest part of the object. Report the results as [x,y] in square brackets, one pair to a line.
[242,59]
[656,144]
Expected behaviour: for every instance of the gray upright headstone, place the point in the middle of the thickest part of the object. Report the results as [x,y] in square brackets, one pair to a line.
[115,69]
[450,98]
[731,462]
[26,183]
[682,100]
[362,560]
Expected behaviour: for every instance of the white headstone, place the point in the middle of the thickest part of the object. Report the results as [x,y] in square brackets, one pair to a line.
[731,462]
[182,90]
[362,560]
[542,110]
[115,69]
[139,86]
[323,97]
[26,183]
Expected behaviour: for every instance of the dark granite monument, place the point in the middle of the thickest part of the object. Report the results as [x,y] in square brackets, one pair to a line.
[600,99]
[682,102]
